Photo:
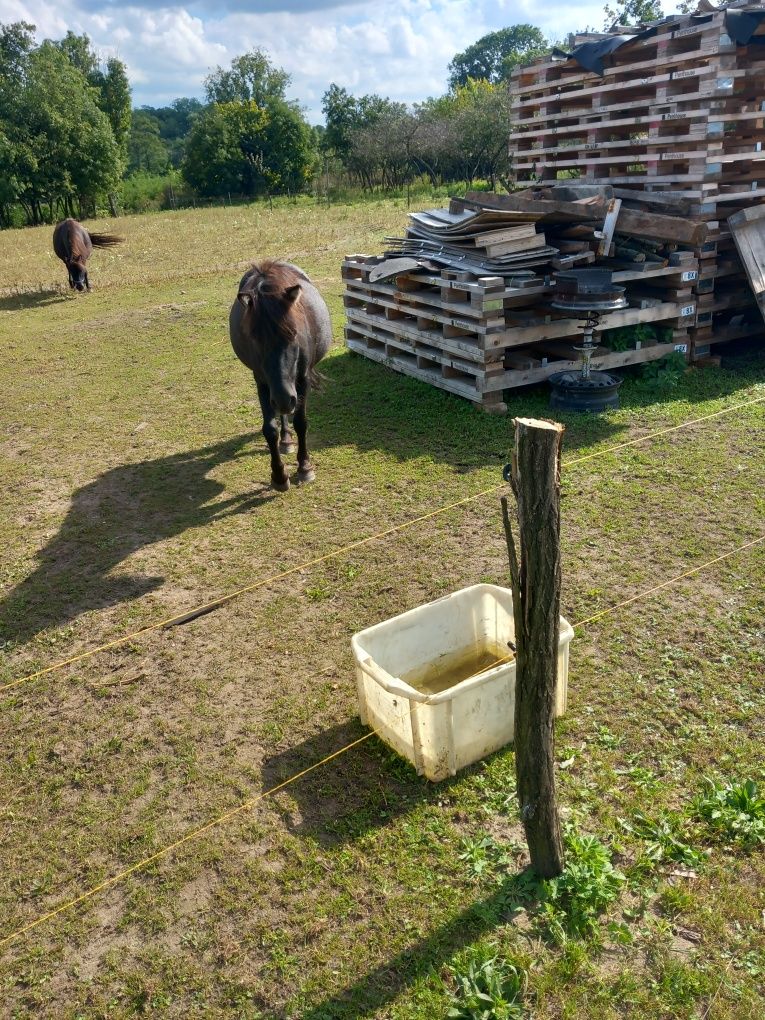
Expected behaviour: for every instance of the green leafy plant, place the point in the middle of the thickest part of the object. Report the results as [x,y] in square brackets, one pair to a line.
[484,855]
[488,988]
[734,811]
[664,374]
[572,902]
[625,338]
[663,840]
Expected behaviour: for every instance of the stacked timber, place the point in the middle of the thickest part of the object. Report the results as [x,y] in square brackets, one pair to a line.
[479,334]
[672,117]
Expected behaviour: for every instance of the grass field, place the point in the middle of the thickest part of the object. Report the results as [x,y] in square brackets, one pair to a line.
[135,488]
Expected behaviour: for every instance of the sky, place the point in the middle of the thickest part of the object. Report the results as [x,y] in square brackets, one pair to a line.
[400,50]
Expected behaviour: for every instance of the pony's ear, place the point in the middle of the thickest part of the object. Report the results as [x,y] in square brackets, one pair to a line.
[291,294]
[244,298]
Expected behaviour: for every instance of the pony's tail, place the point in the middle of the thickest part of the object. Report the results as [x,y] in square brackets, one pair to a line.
[104,240]
[316,379]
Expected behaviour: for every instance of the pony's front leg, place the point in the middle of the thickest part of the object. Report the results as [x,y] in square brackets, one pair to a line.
[286,443]
[87,281]
[305,471]
[279,477]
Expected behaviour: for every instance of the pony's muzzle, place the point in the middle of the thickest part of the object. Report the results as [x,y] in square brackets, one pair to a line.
[284,404]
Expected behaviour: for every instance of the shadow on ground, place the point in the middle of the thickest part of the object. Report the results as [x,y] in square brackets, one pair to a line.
[33,299]
[122,510]
[383,984]
[351,795]
[368,406]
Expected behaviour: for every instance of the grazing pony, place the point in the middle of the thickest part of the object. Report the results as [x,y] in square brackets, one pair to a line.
[74,246]
[280,329]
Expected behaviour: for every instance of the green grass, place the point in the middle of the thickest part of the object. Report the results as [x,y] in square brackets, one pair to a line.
[136,488]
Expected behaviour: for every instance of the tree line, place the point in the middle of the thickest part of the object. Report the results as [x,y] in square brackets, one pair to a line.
[70,140]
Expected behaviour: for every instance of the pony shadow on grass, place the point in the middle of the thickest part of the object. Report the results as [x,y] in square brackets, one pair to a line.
[121,511]
[366,789]
[24,300]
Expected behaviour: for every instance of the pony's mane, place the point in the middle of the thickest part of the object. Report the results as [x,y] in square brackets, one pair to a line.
[272,315]
[77,253]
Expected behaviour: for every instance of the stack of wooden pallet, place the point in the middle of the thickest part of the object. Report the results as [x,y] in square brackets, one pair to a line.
[478,335]
[673,118]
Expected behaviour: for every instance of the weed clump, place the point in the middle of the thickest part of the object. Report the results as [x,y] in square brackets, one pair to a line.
[735,812]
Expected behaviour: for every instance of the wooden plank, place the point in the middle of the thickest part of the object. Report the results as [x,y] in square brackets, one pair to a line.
[549,210]
[748,230]
[525,377]
[661,227]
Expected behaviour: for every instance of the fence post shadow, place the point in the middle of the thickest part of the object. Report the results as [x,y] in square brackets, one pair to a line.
[389,979]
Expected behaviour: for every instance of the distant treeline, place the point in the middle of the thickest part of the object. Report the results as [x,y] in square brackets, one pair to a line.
[71,144]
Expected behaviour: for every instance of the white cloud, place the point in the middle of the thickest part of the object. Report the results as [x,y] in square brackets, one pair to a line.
[364,47]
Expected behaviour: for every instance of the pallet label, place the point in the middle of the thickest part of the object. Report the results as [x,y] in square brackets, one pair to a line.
[681,32]
[687,310]
[681,348]
[689,274]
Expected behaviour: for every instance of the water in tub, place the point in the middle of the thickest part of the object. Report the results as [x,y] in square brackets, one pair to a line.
[452,668]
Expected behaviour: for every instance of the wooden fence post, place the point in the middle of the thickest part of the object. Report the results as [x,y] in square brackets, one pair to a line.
[536,578]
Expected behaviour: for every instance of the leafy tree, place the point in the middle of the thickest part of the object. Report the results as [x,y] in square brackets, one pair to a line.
[110,81]
[493,56]
[633,12]
[289,154]
[57,147]
[213,164]
[114,89]
[146,150]
[65,144]
[468,131]
[350,135]
[251,78]
[246,149]
[16,42]
[341,111]
[78,51]
[382,150]
[175,124]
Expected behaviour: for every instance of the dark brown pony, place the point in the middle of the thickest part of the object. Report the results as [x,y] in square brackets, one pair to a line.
[74,246]
[280,329]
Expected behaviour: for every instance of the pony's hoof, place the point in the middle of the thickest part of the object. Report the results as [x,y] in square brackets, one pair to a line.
[303,477]
[281,486]
[286,447]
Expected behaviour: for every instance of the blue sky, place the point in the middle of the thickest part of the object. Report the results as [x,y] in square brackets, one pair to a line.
[399,49]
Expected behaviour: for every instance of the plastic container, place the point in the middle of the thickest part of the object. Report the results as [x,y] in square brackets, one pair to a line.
[403,664]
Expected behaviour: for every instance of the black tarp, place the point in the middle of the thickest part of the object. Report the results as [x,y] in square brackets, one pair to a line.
[740,25]
[590,54]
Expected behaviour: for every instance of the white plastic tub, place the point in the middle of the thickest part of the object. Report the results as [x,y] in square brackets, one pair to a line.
[443,730]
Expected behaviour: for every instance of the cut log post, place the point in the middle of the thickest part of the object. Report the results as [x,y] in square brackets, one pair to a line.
[535,573]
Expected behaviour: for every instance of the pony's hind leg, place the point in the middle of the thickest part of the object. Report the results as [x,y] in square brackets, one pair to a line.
[305,472]
[279,477]
[287,442]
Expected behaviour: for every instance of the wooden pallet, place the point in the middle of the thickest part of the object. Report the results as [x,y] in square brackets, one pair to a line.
[676,116]
[522,367]
[502,337]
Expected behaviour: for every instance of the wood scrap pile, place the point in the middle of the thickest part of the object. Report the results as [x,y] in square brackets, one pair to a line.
[450,304]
